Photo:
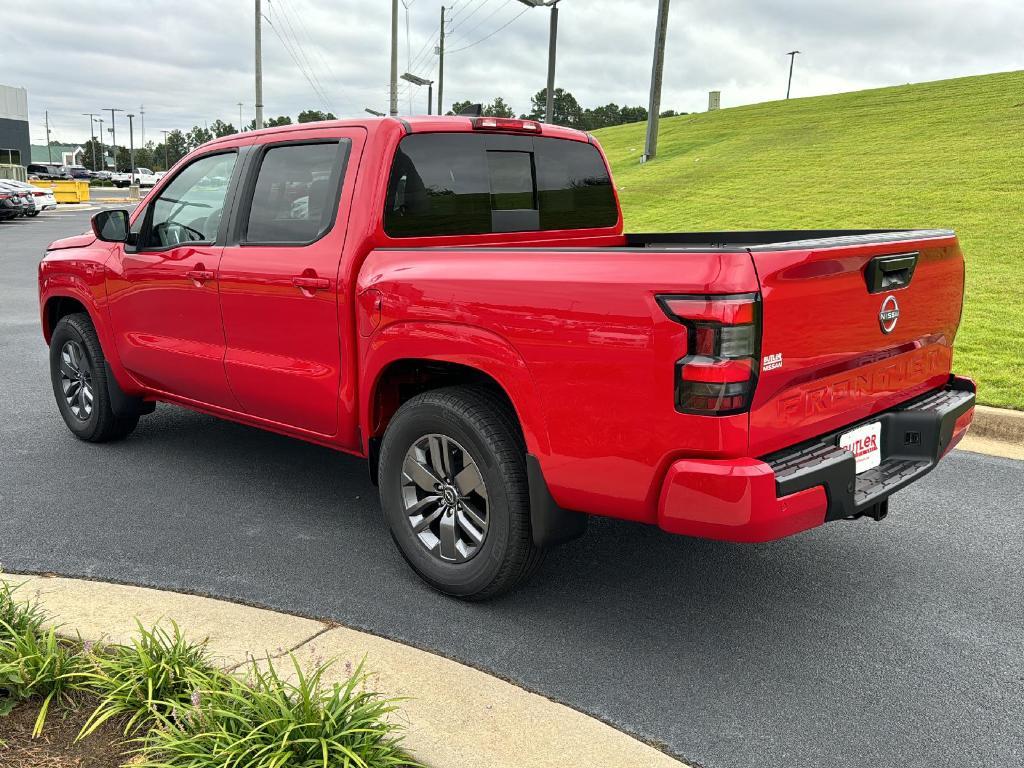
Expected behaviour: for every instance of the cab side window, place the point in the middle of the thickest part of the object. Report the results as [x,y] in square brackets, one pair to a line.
[190,208]
[295,198]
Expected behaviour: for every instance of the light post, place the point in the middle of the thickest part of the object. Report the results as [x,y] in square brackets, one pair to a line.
[167,165]
[113,131]
[417,80]
[133,188]
[103,147]
[792,58]
[549,112]
[92,136]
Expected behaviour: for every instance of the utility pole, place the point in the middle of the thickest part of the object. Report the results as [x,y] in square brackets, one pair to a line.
[142,125]
[113,132]
[440,68]
[167,164]
[792,58]
[103,148]
[133,188]
[259,69]
[654,107]
[393,107]
[240,126]
[49,158]
[549,113]
[92,136]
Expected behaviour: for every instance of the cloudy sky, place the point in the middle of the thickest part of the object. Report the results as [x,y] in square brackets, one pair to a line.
[190,61]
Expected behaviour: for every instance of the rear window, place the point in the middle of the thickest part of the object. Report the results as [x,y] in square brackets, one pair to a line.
[296,193]
[471,184]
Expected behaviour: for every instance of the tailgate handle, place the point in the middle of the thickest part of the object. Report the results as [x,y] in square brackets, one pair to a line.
[889,273]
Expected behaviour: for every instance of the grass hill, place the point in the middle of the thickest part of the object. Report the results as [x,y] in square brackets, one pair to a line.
[945,154]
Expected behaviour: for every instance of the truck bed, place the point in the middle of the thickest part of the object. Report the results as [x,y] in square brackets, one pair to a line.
[766,240]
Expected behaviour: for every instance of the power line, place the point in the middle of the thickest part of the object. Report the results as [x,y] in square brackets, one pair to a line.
[295,59]
[492,34]
[486,18]
[284,14]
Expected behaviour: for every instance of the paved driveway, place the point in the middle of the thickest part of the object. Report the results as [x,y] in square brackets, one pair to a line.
[892,644]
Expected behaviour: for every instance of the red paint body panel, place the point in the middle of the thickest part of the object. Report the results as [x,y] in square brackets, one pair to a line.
[734,500]
[565,322]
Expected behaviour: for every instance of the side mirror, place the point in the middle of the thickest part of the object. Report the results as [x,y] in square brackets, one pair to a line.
[111,226]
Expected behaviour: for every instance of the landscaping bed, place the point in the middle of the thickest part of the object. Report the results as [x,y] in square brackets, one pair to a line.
[160,702]
[58,746]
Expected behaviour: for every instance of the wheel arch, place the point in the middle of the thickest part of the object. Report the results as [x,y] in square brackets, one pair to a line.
[405,359]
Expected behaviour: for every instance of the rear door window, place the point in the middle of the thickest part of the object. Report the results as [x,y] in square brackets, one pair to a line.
[464,184]
[295,198]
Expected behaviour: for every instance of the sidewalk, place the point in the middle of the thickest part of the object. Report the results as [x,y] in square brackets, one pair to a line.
[454,715]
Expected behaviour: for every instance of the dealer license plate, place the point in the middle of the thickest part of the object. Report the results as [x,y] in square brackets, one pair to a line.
[866,445]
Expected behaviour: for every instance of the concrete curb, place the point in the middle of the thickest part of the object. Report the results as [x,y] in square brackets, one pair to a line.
[454,715]
[998,424]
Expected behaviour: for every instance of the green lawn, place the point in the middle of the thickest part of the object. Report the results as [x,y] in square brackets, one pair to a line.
[947,154]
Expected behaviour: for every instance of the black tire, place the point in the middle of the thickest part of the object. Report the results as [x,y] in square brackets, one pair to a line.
[482,422]
[100,425]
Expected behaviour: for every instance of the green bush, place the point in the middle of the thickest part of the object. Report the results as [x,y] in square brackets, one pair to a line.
[268,722]
[144,682]
[33,662]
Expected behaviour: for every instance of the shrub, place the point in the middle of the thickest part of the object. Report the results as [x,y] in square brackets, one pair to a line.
[33,662]
[269,721]
[146,681]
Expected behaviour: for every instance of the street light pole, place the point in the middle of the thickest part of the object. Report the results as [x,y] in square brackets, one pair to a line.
[92,136]
[654,107]
[167,164]
[792,58]
[131,153]
[440,68]
[103,147]
[416,80]
[259,69]
[549,111]
[113,132]
[393,106]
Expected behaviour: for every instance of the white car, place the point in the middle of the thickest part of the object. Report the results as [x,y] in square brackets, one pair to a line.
[142,176]
[42,197]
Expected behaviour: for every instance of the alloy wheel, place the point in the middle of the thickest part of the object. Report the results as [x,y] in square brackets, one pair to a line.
[76,380]
[444,498]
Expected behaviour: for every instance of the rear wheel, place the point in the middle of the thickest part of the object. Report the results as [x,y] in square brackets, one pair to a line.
[455,495]
[78,373]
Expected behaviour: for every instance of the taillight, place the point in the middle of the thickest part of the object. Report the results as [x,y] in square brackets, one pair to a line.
[719,371]
[506,124]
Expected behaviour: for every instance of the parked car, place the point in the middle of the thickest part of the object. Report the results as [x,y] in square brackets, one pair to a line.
[49,171]
[42,199]
[12,202]
[454,299]
[103,175]
[79,172]
[142,176]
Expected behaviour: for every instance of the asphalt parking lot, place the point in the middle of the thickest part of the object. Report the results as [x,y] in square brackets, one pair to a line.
[886,644]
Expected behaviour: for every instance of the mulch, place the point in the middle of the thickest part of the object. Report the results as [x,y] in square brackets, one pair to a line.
[56,746]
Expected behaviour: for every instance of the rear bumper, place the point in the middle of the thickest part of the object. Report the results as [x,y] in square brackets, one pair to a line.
[750,500]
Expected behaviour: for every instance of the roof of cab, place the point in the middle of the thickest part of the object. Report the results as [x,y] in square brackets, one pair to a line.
[412,124]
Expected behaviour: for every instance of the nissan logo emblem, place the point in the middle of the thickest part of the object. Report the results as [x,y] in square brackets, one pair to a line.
[889,315]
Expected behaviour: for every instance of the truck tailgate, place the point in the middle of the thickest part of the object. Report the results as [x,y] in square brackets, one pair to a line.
[851,326]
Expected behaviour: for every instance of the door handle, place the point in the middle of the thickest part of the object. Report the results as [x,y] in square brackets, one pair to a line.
[199,276]
[310,284]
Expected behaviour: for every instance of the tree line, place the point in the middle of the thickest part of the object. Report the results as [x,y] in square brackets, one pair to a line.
[567,111]
[159,156]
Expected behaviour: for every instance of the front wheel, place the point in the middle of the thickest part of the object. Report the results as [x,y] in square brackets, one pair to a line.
[454,492]
[78,373]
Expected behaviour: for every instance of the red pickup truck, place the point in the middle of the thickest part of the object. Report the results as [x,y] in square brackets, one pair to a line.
[455,300]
